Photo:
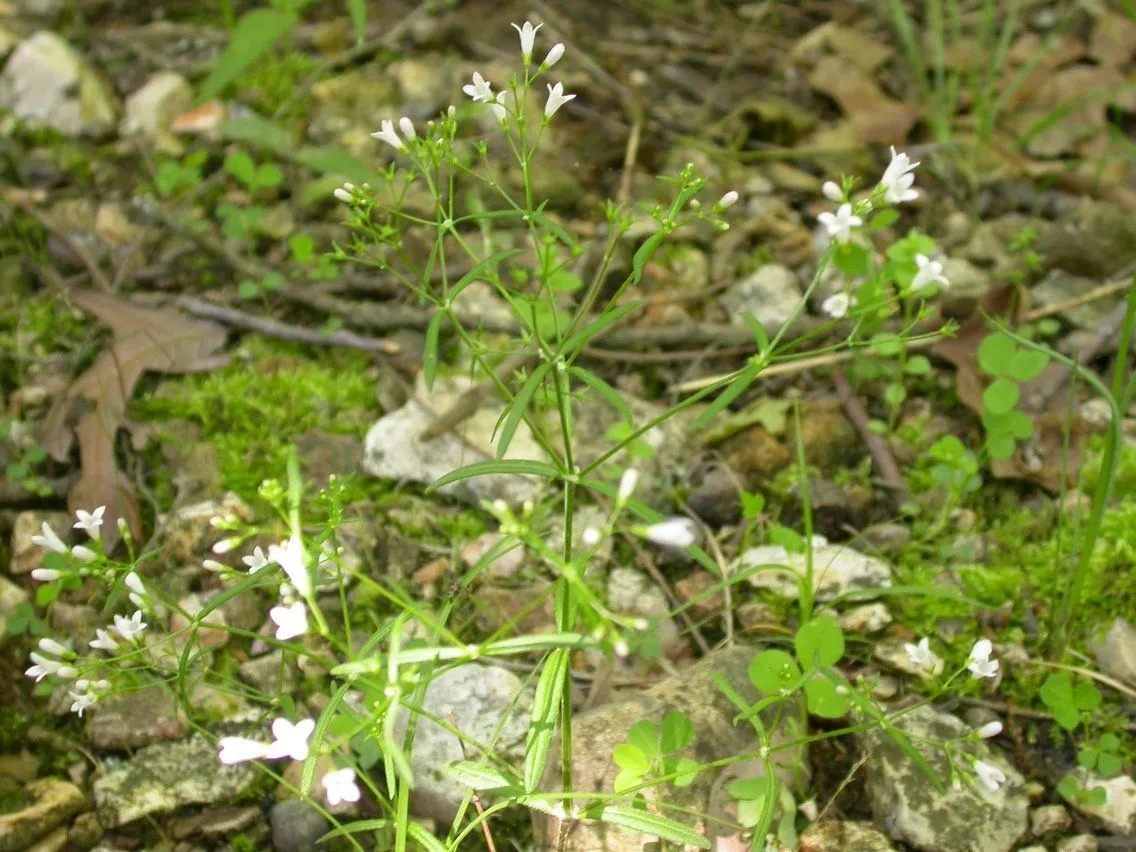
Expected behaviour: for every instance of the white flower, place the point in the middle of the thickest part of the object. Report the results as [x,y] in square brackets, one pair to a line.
[104,641]
[225,545]
[290,740]
[50,646]
[340,786]
[291,557]
[240,749]
[90,521]
[922,656]
[81,701]
[84,554]
[212,565]
[627,484]
[991,776]
[257,561]
[528,39]
[407,128]
[990,729]
[502,104]
[556,99]
[590,537]
[291,621]
[833,192]
[128,628]
[387,134]
[479,90]
[897,180]
[553,56]
[673,532]
[837,305]
[345,193]
[43,667]
[137,590]
[45,575]
[840,224]
[49,539]
[728,200]
[930,272]
[980,664]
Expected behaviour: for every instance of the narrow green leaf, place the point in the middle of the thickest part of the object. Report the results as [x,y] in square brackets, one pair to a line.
[478,272]
[735,389]
[430,351]
[477,776]
[254,35]
[643,254]
[506,467]
[425,838]
[581,337]
[333,161]
[653,824]
[545,712]
[358,10]
[606,392]
[519,406]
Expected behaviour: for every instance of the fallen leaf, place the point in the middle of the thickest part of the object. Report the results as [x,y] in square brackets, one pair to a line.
[846,42]
[94,407]
[1113,40]
[879,119]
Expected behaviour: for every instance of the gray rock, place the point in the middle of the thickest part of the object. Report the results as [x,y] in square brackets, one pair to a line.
[1059,286]
[476,700]
[296,826]
[1079,843]
[968,281]
[771,294]
[54,802]
[631,592]
[269,673]
[890,539]
[831,836]
[869,618]
[1118,813]
[26,554]
[394,448]
[837,569]
[1116,651]
[132,720]
[1049,819]
[907,805]
[47,82]
[186,535]
[693,692]
[150,111]
[161,778]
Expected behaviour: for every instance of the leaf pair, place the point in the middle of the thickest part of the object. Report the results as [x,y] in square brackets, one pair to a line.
[650,747]
[819,645]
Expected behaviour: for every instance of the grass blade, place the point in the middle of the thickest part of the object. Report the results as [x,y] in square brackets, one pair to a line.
[255,34]
[507,467]
[519,406]
[545,712]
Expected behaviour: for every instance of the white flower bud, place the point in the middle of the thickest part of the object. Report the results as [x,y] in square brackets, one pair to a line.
[553,56]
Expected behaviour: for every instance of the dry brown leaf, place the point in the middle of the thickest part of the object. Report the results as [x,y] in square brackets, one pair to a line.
[879,119]
[94,407]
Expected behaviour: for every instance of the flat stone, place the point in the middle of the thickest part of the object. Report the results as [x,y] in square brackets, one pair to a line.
[296,826]
[771,294]
[54,803]
[149,112]
[1059,286]
[908,806]
[837,570]
[1079,843]
[1116,651]
[130,720]
[631,592]
[869,618]
[47,82]
[1118,813]
[832,836]
[162,778]
[1049,819]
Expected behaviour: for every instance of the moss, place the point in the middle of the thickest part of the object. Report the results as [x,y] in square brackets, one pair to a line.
[253,410]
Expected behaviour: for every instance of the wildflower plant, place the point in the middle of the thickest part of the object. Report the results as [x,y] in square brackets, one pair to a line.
[444,203]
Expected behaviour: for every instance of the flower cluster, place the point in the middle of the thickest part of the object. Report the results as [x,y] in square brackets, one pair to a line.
[89,522]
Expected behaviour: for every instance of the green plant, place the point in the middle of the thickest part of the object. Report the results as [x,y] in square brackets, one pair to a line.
[649,753]
[174,178]
[1010,365]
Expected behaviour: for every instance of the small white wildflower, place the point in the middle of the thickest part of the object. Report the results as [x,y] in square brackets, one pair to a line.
[728,200]
[291,557]
[833,192]
[836,306]
[590,537]
[621,649]
[49,539]
[527,32]
[240,750]
[225,545]
[840,224]
[212,565]
[345,193]
[556,99]
[104,641]
[386,133]
[90,521]
[340,786]
[897,179]
[673,532]
[43,667]
[66,672]
[84,554]
[129,628]
[479,89]
[407,128]
[291,621]
[990,729]
[133,582]
[553,56]
[81,701]
[980,664]
[502,104]
[991,776]
[50,646]
[290,740]
[929,272]
[922,656]
[256,561]
[627,484]
[45,575]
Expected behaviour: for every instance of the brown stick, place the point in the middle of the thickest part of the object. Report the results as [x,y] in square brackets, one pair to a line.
[881,453]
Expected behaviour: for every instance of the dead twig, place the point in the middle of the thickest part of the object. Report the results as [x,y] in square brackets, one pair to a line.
[885,462]
[97,275]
